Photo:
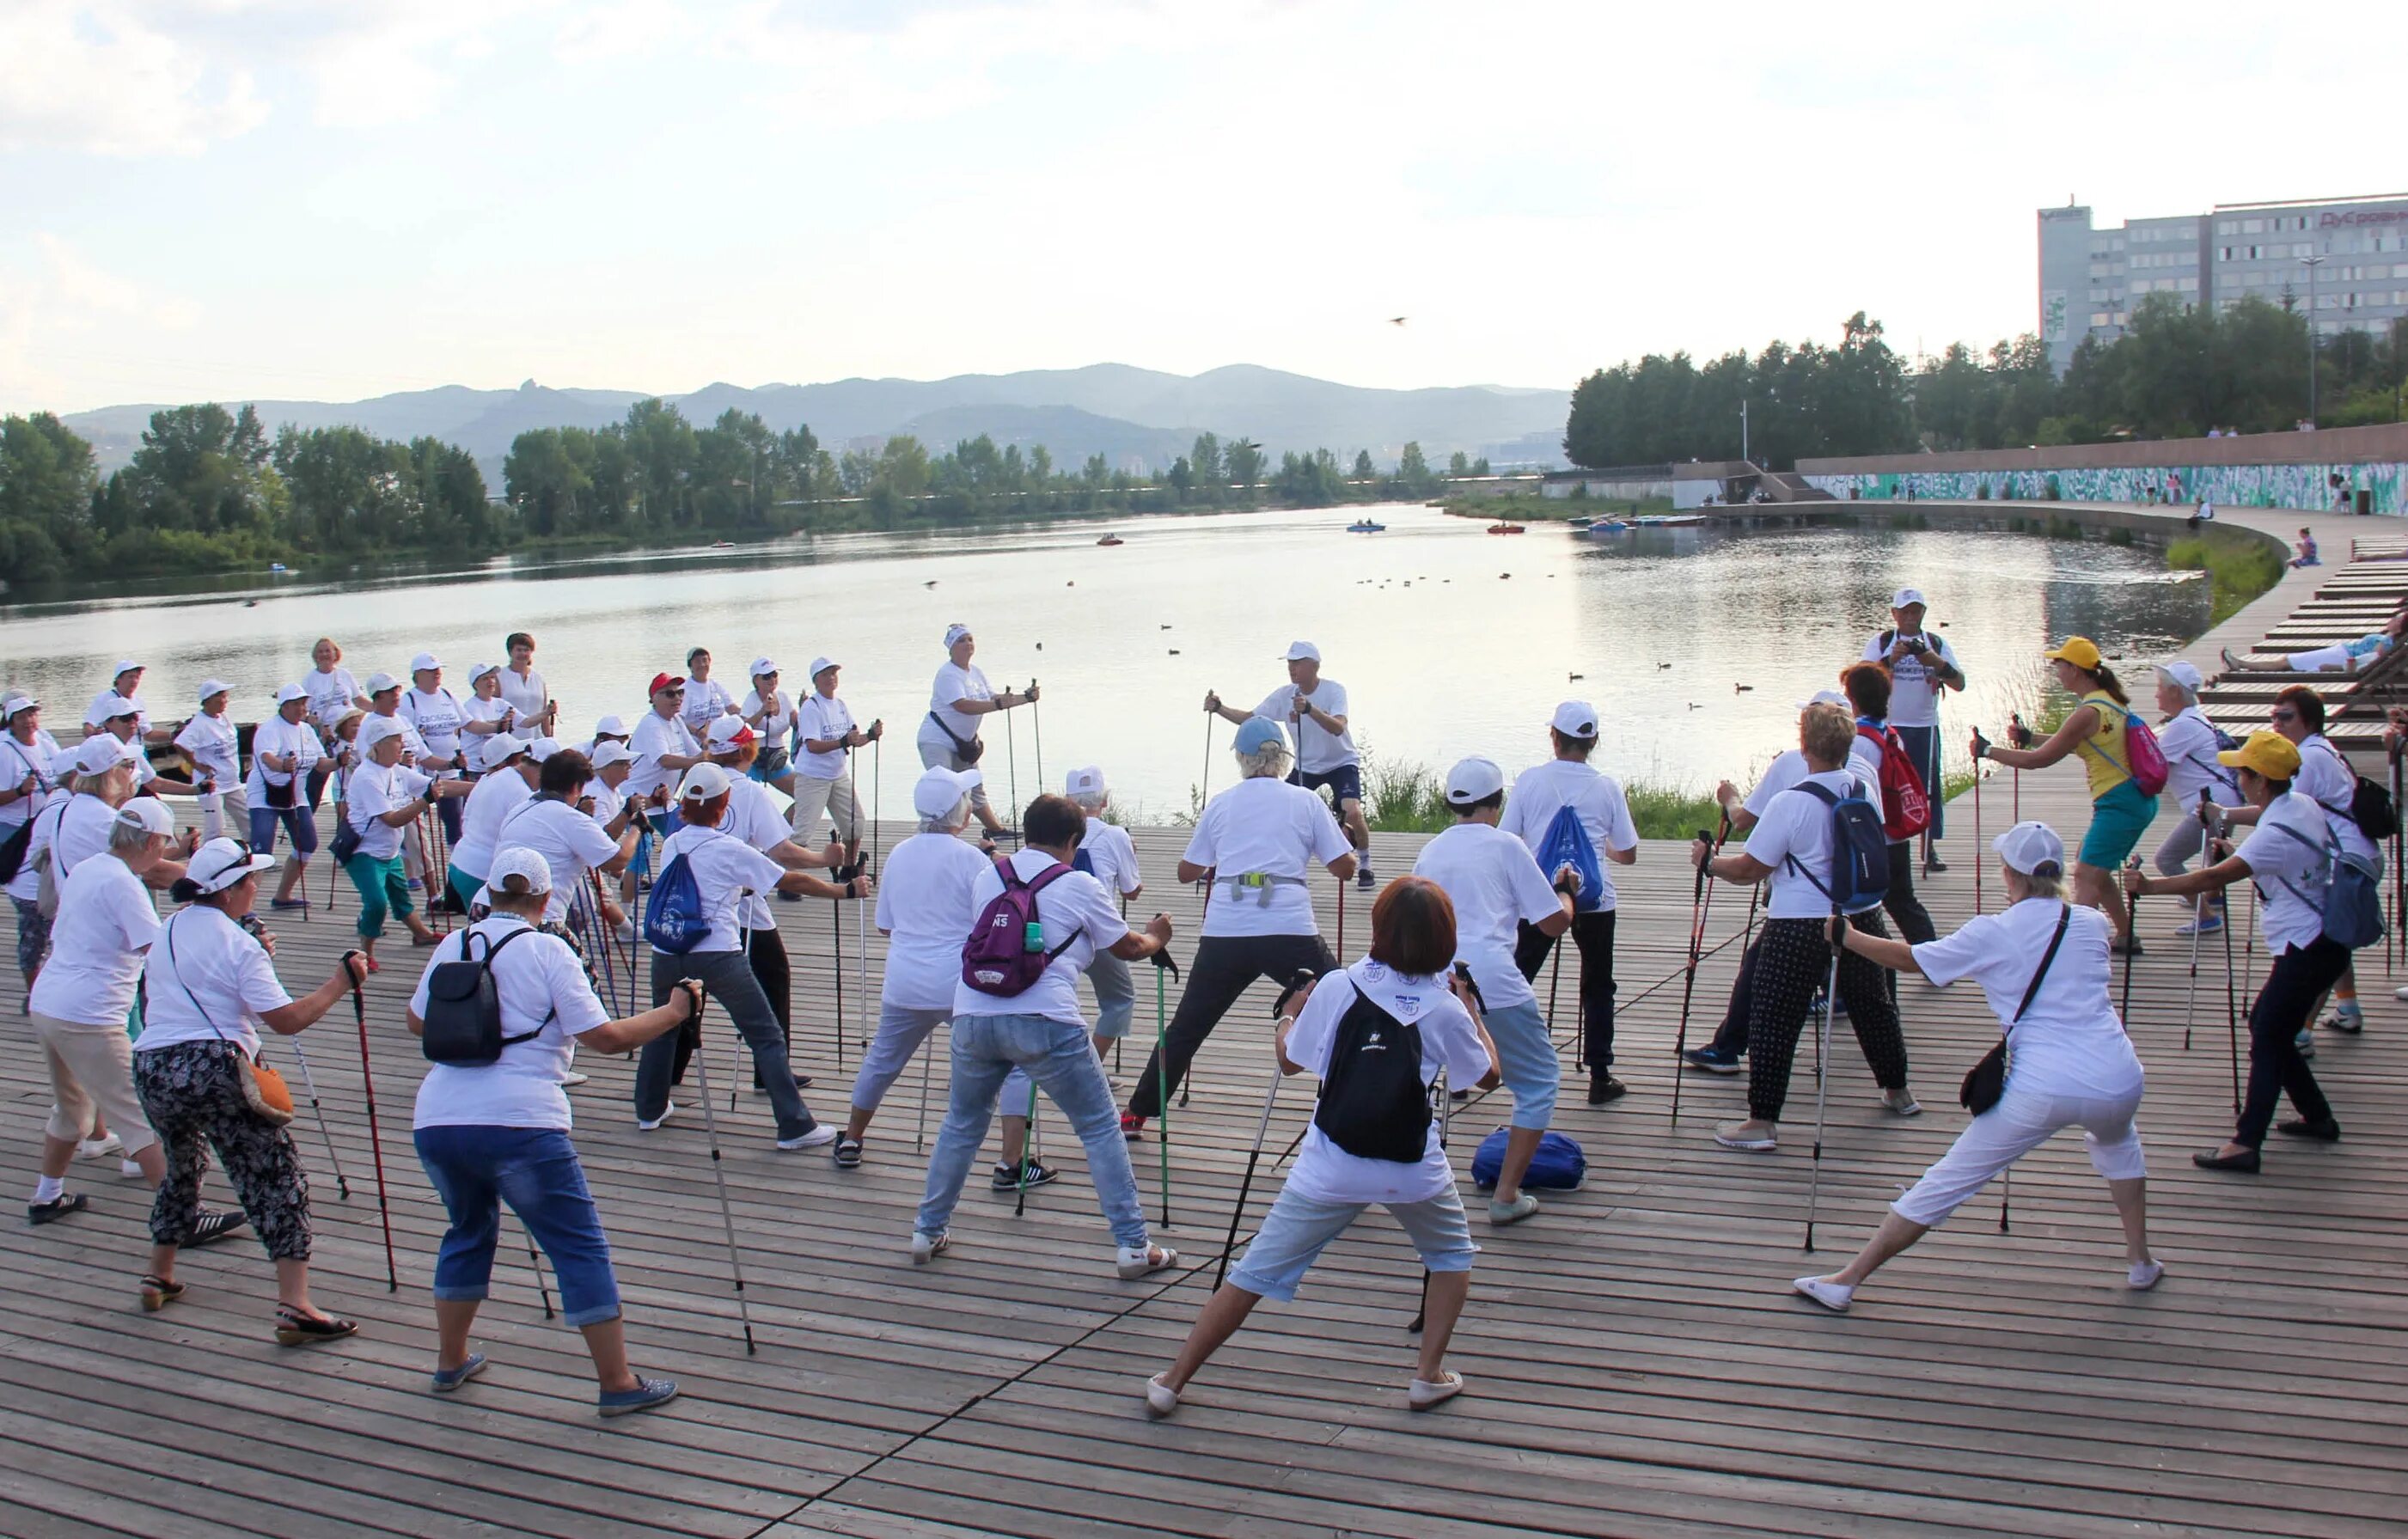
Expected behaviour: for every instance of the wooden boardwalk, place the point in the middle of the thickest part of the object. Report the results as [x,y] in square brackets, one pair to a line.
[1636,1363]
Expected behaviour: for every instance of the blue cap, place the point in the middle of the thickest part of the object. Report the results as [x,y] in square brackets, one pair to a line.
[1260,732]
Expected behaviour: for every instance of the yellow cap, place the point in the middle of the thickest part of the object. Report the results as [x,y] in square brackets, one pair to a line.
[2081,651]
[2266,751]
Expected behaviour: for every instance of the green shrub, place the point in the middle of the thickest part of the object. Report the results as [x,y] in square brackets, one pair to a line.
[2241,566]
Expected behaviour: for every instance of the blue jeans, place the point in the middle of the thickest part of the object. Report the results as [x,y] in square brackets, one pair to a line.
[476,1169]
[1058,1056]
[727,975]
[1922,744]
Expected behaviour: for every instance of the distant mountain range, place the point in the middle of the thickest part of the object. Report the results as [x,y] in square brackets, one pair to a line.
[1139,419]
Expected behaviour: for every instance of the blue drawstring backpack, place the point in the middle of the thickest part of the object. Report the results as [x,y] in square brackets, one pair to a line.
[673,920]
[1559,1165]
[1566,843]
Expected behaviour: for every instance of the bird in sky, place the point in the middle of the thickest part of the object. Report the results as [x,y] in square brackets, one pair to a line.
[1396,321]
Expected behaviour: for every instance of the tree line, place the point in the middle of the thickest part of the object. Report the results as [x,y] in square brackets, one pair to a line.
[2179,371]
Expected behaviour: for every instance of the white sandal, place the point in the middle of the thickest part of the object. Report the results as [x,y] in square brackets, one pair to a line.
[1427,1392]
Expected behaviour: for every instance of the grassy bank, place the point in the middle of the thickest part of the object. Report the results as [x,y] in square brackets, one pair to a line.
[1407,796]
[1553,509]
[2242,566]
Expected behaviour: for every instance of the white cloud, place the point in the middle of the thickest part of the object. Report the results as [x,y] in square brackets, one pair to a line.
[629,29]
[62,310]
[95,77]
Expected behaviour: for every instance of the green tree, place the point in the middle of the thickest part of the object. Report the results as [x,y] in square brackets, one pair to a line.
[1242,464]
[47,488]
[1413,473]
[1364,469]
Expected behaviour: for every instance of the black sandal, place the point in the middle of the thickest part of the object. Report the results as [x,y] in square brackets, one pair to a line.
[158,1293]
[296,1328]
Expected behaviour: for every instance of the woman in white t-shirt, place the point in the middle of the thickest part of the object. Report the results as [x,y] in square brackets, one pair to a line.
[285,755]
[507,776]
[1257,842]
[2044,968]
[949,733]
[770,711]
[493,1133]
[485,713]
[29,781]
[2189,742]
[1791,848]
[925,912]
[334,696]
[1107,853]
[2285,856]
[1038,1029]
[705,699]
[530,698]
[383,798]
[210,985]
[212,742]
[436,714]
[1355,1152]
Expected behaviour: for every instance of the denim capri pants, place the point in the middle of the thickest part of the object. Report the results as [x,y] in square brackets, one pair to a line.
[1526,1061]
[476,1169]
[1296,1230]
[299,826]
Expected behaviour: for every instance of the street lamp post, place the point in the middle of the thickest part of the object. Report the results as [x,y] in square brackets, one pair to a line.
[1742,429]
[2312,264]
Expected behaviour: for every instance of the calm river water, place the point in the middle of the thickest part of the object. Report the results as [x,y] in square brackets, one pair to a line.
[1693,645]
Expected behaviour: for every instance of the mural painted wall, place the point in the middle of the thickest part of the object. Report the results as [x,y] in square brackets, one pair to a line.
[2307,487]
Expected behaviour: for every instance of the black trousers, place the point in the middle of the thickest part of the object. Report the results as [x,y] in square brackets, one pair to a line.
[1224,967]
[1795,960]
[1594,935]
[2298,979]
[1913,920]
[775,974]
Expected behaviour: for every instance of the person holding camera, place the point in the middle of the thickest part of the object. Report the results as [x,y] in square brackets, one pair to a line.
[209,984]
[497,1132]
[1923,667]
[1360,1149]
[949,733]
[1494,886]
[2042,965]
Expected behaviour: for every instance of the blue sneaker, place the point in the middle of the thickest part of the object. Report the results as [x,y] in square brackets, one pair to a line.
[447,1379]
[647,1394]
[2207,926]
[1711,1060]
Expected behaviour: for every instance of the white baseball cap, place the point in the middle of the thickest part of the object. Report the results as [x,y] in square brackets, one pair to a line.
[222,862]
[822,664]
[376,728]
[936,792]
[481,669]
[102,752]
[955,633]
[2185,674]
[764,665]
[1303,651]
[498,749]
[124,667]
[1473,779]
[424,661]
[703,782]
[111,708]
[1826,697]
[13,702]
[518,861]
[606,754]
[1087,780]
[2032,848]
[541,748]
[380,682]
[1905,597]
[610,726]
[1576,719]
[213,685]
[729,732]
[290,693]
[149,814]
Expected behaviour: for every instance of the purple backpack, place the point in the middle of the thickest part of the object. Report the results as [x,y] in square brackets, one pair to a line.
[1005,954]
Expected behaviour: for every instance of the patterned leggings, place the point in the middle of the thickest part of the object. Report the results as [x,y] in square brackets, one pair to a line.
[33,936]
[194,1103]
[1794,960]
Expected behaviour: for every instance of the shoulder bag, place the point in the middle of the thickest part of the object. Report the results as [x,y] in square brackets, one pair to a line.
[1987,1080]
[264,1094]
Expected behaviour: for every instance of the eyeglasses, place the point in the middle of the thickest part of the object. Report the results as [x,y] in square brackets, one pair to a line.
[2284,713]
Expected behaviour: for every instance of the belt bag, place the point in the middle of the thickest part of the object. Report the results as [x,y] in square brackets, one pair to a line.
[1987,1080]
[1261,883]
[967,750]
[281,798]
[264,1094]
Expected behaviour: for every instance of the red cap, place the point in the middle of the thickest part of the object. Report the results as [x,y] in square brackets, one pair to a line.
[665,681]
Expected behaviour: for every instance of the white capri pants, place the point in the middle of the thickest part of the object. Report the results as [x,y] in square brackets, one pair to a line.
[902,1031]
[2323,659]
[833,798]
[2021,1122]
[936,748]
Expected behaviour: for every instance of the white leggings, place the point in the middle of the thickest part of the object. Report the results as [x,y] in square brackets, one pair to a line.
[2019,1123]
[902,1033]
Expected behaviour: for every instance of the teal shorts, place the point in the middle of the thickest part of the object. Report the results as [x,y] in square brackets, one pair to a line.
[2118,820]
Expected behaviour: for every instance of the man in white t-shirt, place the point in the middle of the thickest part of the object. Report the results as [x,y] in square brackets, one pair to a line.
[1498,891]
[824,730]
[1038,1029]
[1107,853]
[1923,667]
[125,686]
[949,733]
[1314,710]
[1543,794]
[664,745]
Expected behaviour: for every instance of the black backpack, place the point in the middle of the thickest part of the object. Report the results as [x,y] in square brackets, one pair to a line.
[463,1008]
[2371,809]
[1373,1103]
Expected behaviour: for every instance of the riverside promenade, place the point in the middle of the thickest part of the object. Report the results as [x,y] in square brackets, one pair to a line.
[1636,1363]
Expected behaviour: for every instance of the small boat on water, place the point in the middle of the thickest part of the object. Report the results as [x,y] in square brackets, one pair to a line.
[1672,521]
[723,545]
[1111,539]
[276,568]
[1509,528]
[1608,526]
[1365,526]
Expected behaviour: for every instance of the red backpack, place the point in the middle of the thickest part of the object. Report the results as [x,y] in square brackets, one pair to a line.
[1906,807]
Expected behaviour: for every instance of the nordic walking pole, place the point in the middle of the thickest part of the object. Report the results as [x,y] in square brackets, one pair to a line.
[1555,976]
[2198,917]
[928,1051]
[1979,861]
[1027,1151]
[2399,882]
[1696,946]
[1162,1076]
[1012,762]
[1823,1079]
[2131,943]
[719,1175]
[2232,1006]
[376,1137]
[836,971]
[341,1185]
[1301,978]
[534,1259]
[1036,729]
[736,1070]
[1204,787]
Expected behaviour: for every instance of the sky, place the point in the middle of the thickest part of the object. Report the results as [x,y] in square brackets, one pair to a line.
[331,199]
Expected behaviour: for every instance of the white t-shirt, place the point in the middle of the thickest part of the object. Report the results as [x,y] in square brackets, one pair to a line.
[1789,768]
[527,696]
[923,905]
[1318,750]
[570,842]
[2070,1042]
[437,717]
[96,943]
[333,695]
[212,744]
[655,736]
[19,760]
[543,989]
[1323,1171]
[723,867]
[607,801]
[495,797]
[83,833]
[1913,686]
[776,720]
[1798,825]
[2188,742]
[2288,869]
[1077,917]
[1268,826]
[1543,789]
[1111,857]
[229,976]
[414,746]
[107,701]
[706,701]
[296,740]
[821,717]
[2327,778]
[955,683]
[754,818]
[373,791]
[478,707]
[1495,884]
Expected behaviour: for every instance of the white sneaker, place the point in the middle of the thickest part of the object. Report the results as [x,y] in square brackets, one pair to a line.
[92,1148]
[130,1169]
[818,1136]
[666,1112]
[1136,1260]
[1745,1136]
[926,1247]
[573,1078]
[1427,1393]
[2144,1275]
[1832,1296]
[1160,1397]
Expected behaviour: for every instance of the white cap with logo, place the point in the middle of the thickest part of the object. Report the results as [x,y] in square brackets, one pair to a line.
[147,813]
[940,790]
[1473,779]
[2032,848]
[728,731]
[424,661]
[606,754]
[1302,651]
[2185,674]
[702,782]
[102,752]
[1906,598]
[376,728]
[518,861]
[222,862]
[764,665]
[1086,780]
[1576,719]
